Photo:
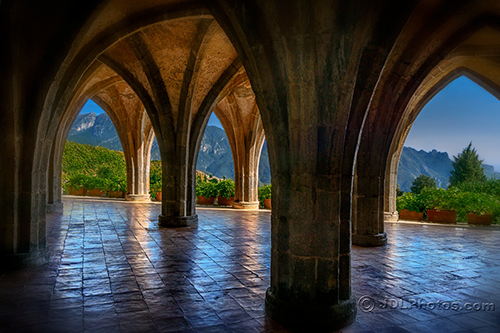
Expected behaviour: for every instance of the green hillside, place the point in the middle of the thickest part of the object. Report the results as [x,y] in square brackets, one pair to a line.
[87,160]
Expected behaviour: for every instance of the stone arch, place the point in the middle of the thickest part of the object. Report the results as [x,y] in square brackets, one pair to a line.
[102,80]
[238,113]
[97,42]
[484,72]
[398,84]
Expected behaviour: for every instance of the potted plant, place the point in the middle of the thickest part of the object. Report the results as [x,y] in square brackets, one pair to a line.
[115,184]
[96,186]
[265,196]
[410,207]
[206,190]
[441,205]
[155,180]
[225,190]
[479,207]
[76,184]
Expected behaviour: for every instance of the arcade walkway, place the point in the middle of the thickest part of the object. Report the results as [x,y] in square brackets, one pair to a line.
[112,269]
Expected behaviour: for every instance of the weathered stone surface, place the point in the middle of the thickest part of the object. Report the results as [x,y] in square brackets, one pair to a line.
[337,83]
[239,115]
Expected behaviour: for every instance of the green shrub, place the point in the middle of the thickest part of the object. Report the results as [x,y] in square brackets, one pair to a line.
[78,181]
[411,202]
[225,188]
[155,178]
[265,193]
[206,186]
[440,199]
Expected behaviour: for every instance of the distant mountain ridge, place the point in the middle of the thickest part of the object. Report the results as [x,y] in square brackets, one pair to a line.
[436,164]
[214,157]
[215,154]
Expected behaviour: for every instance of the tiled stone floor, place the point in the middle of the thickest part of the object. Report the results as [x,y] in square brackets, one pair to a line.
[112,269]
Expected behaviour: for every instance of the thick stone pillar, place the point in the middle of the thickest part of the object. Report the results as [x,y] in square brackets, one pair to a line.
[303,73]
[22,198]
[239,115]
[178,79]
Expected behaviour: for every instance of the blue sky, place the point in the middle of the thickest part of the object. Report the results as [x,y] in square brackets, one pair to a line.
[91,106]
[460,113]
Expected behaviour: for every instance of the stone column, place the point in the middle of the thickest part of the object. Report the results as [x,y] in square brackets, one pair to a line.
[368,226]
[303,74]
[239,115]
[136,134]
[138,173]
[178,79]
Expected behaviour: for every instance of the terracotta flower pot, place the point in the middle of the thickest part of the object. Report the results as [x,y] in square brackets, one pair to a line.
[116,194]
[81,191]
[406,214]
[97,193]
[158,196]
[484,219]
[267,203]
[224,201]
[203,200]
[444,216]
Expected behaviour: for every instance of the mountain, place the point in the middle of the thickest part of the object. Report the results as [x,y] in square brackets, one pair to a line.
[95,130]
[214,157]
[435,164]
[215,154]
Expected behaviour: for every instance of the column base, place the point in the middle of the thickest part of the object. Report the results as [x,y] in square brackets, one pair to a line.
[137,197]
[11,262]
[246,204]
[299,316]
[370,240]
[55,207]
[178,221]
[391,216]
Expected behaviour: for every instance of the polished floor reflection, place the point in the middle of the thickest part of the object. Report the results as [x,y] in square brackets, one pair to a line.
[112,269]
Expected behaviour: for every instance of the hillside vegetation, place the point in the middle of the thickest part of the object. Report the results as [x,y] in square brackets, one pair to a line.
[96,162]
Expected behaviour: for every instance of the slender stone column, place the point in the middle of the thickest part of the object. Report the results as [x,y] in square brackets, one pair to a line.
[136,134]
[239,115]
[138,174]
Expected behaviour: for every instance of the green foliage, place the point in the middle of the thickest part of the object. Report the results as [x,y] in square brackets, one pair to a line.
[491,187]
[411,202]
[399,192]
[155,177]
[467,197]
[93,167]
[421,182]
[482,197]
[439,199]
[78,181]
[206,186]
[467,167]
[265,193]
[225,188]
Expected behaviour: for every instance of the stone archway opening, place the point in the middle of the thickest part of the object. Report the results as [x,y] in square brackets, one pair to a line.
[462,109]
[460,113]
[93,160]
[216,154]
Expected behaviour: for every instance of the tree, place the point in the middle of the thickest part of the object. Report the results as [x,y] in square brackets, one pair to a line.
[467,167]
[422,182]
